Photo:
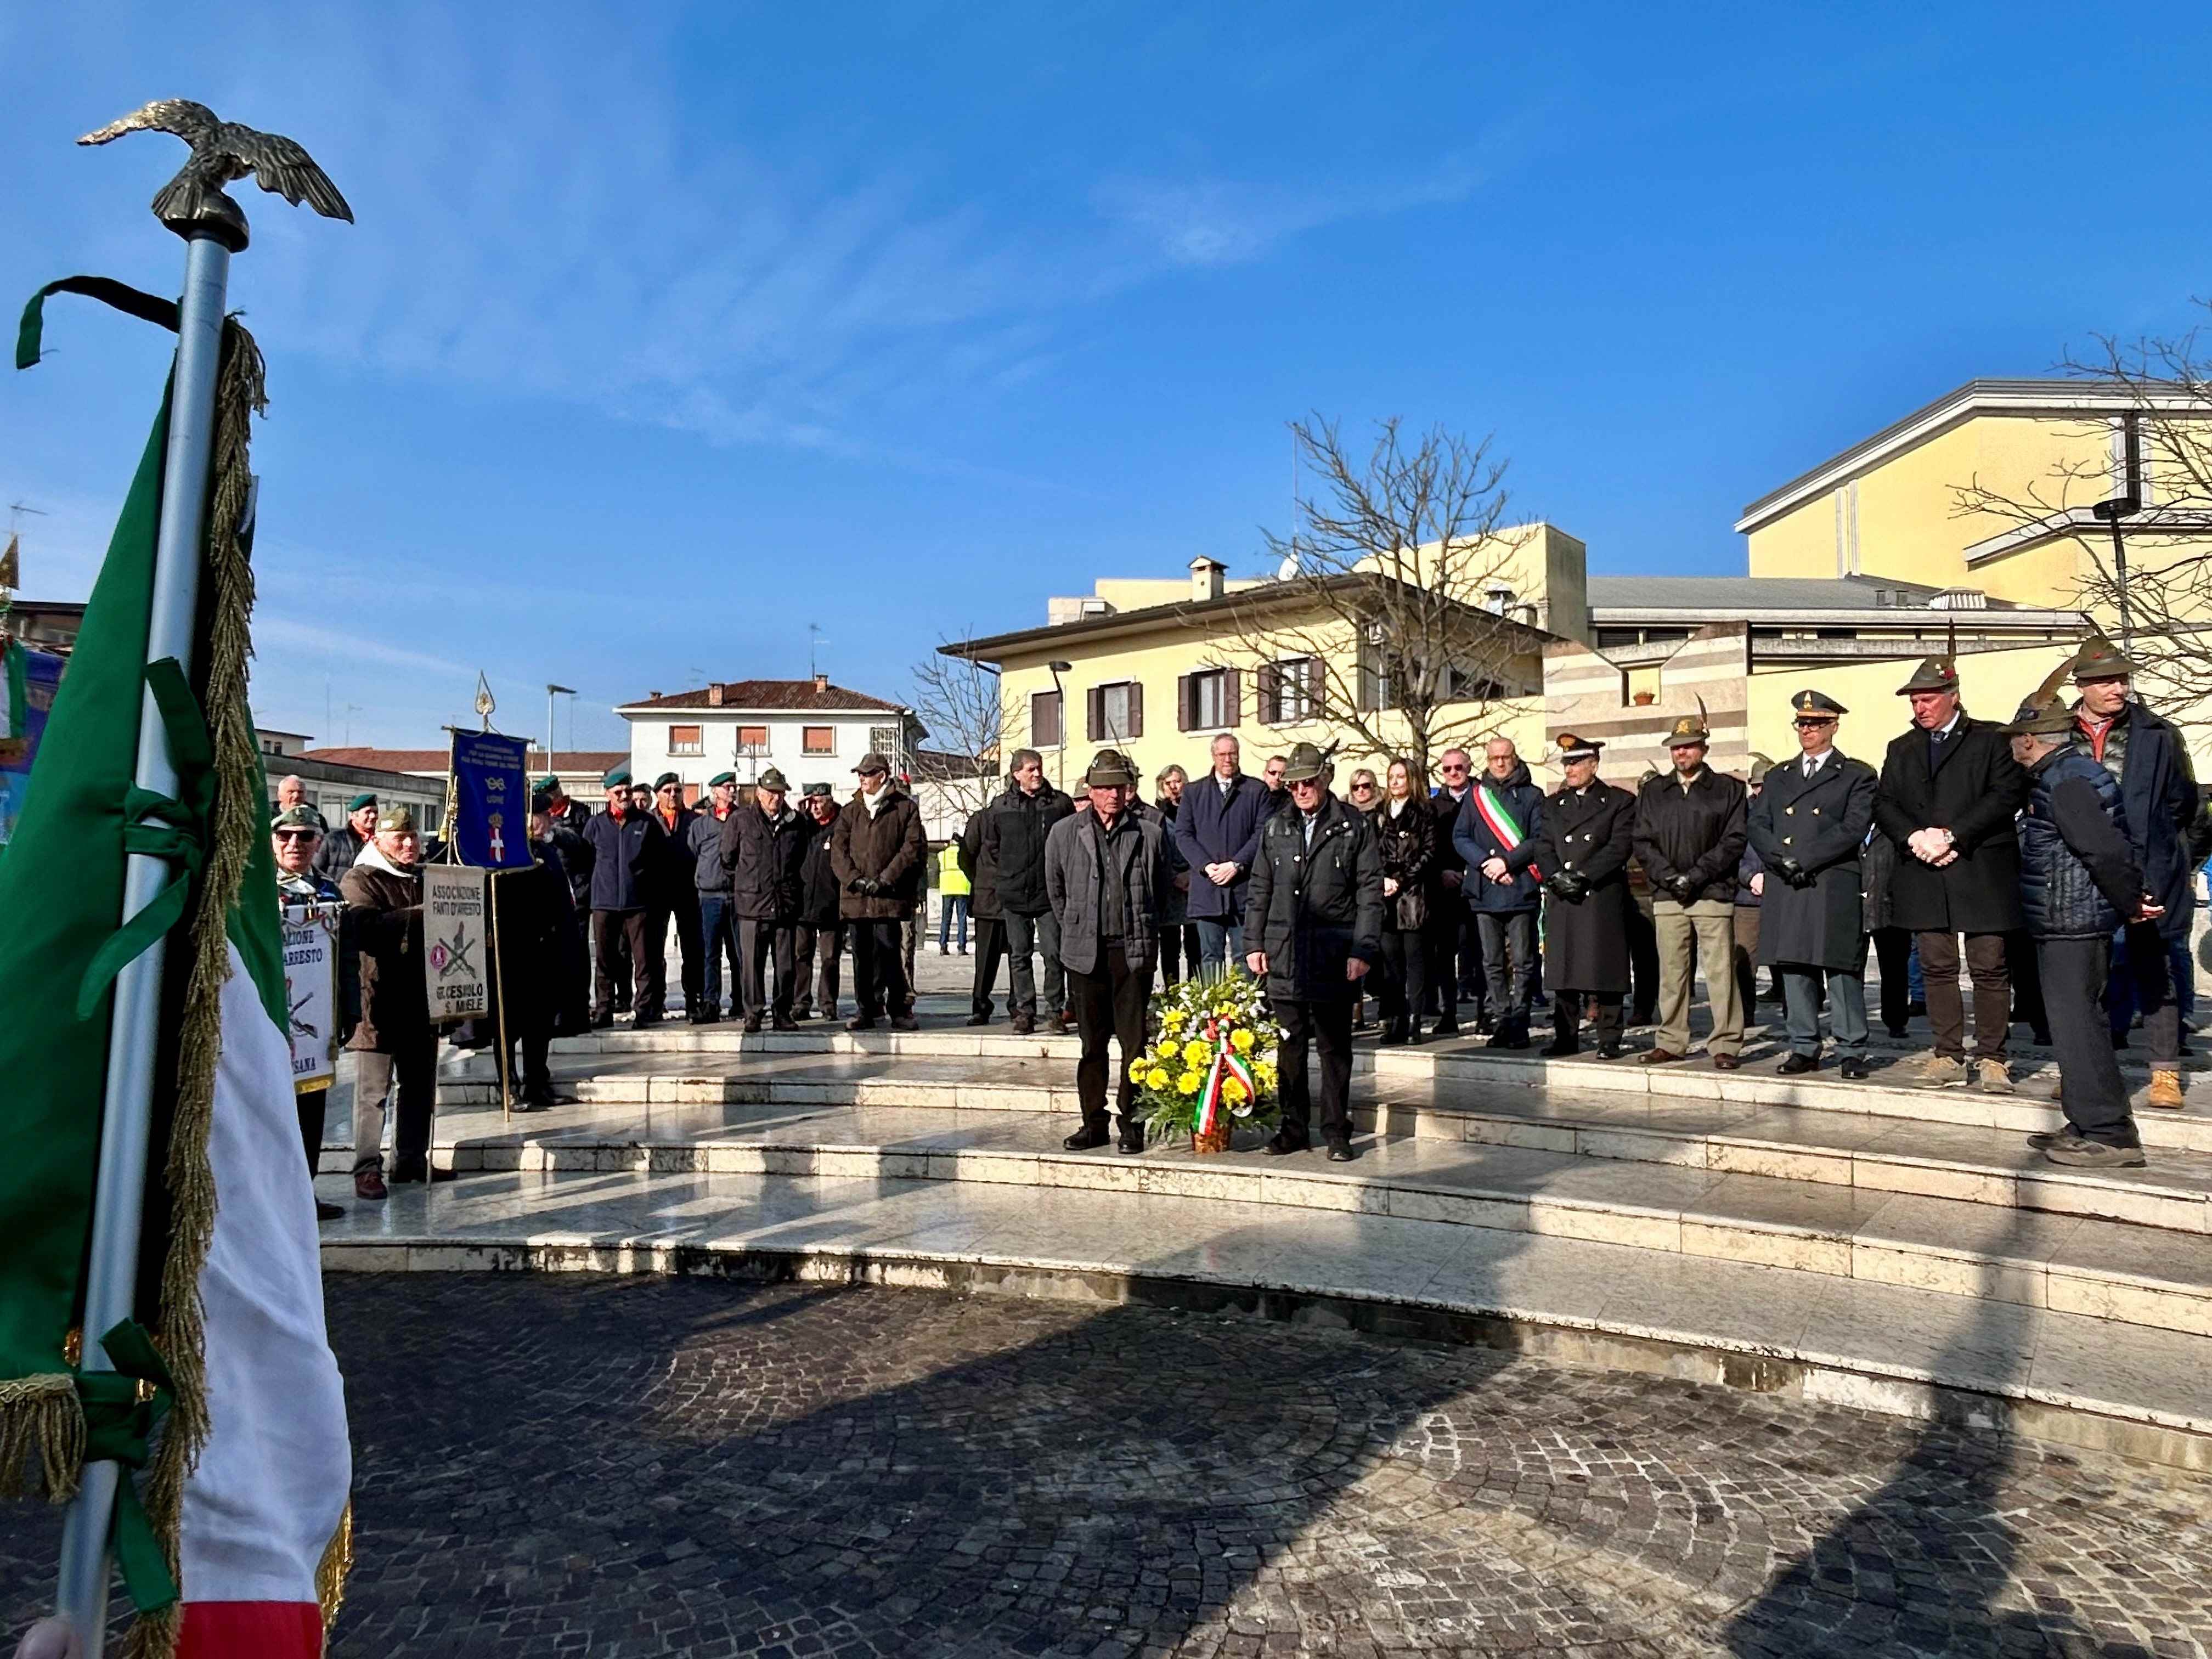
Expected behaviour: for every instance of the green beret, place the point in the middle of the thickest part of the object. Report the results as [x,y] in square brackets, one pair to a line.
[547,782]
[359,801]
[721,778]
[616,779]
[663,781]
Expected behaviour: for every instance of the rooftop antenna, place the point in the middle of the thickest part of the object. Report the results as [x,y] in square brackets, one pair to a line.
[813,638]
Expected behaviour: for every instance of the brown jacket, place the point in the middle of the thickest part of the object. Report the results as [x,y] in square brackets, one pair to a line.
[887,848]
[386,912]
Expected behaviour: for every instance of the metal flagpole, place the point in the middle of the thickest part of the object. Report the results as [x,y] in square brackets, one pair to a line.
[112,1272]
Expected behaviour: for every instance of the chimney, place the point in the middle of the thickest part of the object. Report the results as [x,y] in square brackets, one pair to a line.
[821,684]
[1205,576]
[715,694]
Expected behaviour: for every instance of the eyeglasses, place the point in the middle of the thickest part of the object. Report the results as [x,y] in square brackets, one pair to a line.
[1362,788]
[295,835]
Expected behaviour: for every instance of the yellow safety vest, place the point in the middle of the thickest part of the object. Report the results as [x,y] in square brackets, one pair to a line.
[951,880]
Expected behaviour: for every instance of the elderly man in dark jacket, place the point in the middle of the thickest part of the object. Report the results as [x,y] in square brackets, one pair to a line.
[1807,826]
[984,905]
[671,893]
[393,1042]
[2147,757]
[1108,876]
[1949,788]
[1495,833]
[625,843]
[1014,829]
[1218,824]
[718,919]
[764,847]
[878,850]
[1582,849]
[1314,924]
[1689,838]
[334,855]
[820,935]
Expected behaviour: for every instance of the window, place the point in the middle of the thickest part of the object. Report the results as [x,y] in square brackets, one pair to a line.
[1289,691]
[686,740]
[817,740]
[752,740]
[884,741]
[1206,701]
[1114,713]
[1044,719]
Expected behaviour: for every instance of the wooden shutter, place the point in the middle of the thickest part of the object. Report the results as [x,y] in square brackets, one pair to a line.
[1094,714]
[1232,698]
[1270,693]
[1136,709]
[1315,680]
[1186,702]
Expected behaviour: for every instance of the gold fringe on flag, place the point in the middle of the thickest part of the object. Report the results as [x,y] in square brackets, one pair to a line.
[330,1573]
[225,616]
[41,1415]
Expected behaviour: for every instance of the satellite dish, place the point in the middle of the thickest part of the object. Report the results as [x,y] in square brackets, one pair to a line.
[1288,569]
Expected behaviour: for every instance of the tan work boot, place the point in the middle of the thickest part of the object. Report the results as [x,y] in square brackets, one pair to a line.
[1992,1077]
[1938,1072]
[2165,1090]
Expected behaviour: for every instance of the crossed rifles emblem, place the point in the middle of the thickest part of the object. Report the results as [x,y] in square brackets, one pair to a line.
[451,956]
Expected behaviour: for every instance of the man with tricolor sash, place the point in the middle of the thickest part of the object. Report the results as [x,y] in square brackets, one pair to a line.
[1497,833]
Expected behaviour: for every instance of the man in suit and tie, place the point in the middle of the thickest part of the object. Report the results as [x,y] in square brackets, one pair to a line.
[1807,824]
[1949,790]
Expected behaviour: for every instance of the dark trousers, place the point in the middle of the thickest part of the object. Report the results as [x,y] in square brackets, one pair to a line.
[1947,1006]
[880,984]
[2027,966]
[990,952]
[1328,1027]
[685,915]
[756,942]
[2143,983]
[535,1068]
[618,948]
[413,1073]
[1179,951]
[1642,965]
[1604,1008]
[2090,1090]
[1893,950]
[814,949]
[313,1107]
[1404,985]
[1510,966]
[1453,970]
[1109,1002]
[718,940]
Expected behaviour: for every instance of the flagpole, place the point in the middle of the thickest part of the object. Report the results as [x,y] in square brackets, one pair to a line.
[111,1270]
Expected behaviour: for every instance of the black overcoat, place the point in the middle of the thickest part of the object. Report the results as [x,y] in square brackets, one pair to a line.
[1588,833]
[1821,822]
[1972,788]
[1312,910]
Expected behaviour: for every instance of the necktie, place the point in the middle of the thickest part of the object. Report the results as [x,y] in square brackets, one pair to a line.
[1810,766]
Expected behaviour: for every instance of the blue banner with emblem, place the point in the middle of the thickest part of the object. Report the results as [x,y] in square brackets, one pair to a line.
[490,825]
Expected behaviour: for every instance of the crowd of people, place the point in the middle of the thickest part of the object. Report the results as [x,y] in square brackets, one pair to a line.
[2047,862]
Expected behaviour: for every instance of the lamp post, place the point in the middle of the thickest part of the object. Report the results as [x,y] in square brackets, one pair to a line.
[2125,505]
[1059,761]
[552,692]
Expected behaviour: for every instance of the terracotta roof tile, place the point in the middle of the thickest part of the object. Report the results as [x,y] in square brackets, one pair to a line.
[771,697]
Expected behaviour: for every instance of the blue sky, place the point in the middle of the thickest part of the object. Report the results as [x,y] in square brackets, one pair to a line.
[665,331]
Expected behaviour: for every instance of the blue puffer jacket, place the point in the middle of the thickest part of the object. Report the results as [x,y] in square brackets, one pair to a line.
[2061,897]
[1523,805]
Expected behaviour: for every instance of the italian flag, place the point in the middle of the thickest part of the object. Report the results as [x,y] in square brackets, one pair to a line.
[229,1415]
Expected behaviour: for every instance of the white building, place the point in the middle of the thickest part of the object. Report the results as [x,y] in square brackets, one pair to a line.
[811,731]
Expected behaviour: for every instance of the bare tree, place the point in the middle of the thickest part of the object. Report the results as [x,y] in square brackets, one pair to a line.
[1394,616]
[957,700]
[2141,520]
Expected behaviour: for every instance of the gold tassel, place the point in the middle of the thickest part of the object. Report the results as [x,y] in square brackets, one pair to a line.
[41,1415]
[330,1574]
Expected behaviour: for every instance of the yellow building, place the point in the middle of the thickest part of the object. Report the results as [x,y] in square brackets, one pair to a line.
[1156,668]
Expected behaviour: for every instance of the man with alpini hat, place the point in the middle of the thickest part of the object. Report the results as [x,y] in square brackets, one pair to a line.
[1689,838]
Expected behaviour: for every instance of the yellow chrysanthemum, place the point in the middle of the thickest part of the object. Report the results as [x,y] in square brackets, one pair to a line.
[1231,1090]
[1263,1074]
[1167,1048]
[1195,1053]
[1156,1077]
[1188,1082]
[1241,1040]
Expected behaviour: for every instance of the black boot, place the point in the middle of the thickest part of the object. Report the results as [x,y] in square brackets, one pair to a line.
[1132,1134]
[1565,1040]
[1089,1138]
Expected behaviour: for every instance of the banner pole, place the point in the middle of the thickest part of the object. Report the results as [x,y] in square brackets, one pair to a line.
[499,996]
[119,1196]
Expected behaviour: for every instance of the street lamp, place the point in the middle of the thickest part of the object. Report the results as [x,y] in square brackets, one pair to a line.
[1059,761]
[2124,505]
[552,692]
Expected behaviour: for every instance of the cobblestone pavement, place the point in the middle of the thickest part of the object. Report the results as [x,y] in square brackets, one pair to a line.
[603,1468]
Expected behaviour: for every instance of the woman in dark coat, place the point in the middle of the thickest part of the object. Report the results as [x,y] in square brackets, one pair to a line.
[1406,832]
[1582,850]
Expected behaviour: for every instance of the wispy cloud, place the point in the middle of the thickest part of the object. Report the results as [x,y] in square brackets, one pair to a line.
[1214,222]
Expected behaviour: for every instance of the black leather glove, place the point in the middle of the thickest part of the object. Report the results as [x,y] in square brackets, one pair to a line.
[1578,888]
[1681,888]
[1794,872]
[870,888]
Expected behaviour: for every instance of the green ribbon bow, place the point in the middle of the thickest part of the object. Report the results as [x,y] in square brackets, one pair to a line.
[162,827]
[118,1427]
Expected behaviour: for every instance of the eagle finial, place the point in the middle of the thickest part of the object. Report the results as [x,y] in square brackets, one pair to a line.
[223,151]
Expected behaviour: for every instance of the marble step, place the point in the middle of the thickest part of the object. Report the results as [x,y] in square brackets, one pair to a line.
[2132,1273]
[2046,1371]
[1975,1162]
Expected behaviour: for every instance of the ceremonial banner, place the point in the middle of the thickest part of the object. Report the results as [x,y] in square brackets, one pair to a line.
[458,964]
[490,822]
[27,679]
[311,987]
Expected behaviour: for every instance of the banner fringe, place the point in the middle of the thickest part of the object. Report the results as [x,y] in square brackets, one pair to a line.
[41,1416]
[332,1571]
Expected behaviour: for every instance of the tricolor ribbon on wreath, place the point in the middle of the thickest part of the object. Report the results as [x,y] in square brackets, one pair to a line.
[1227,1064]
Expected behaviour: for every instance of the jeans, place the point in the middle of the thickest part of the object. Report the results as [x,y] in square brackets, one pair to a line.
[1509,963]
[1947,1006]
[2090,1091]
[717,937]
[1025,936]
[1220,943]
[2143,982]
[953,904]
[1801,1004]
[880,982]
[413,1072]
[1327,1026]
[1109,1002]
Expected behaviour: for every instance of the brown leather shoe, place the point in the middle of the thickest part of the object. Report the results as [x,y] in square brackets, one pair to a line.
[1727,1062]
[369,1184]
[1657,1057]
[2165,1091]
